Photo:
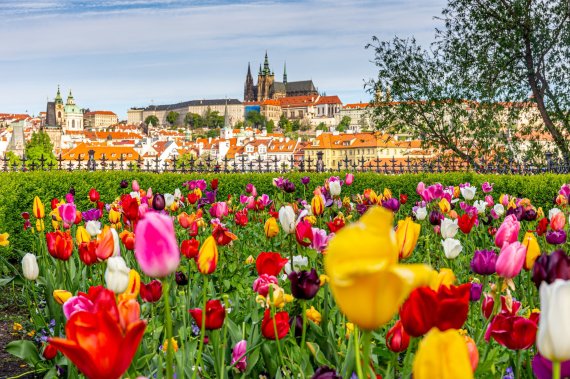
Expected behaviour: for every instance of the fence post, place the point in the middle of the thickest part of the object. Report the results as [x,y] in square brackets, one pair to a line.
[320,163]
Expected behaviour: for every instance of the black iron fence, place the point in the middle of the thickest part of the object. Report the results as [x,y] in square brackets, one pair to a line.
[242,164]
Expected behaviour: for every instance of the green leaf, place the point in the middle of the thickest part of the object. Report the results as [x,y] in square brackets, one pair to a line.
[25,350]
[4,281]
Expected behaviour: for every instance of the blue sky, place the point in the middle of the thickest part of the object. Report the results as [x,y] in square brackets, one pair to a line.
[115,54]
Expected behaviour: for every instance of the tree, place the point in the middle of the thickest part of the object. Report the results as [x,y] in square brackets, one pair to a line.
[255,119]
[322,127]
[513,49]
[270,126]
[238,125]
[152,119]
[343,124]
[284,123]
[193,120]
[13,159]
[212,119]
[38,146]
[213,133]
[172,117]
[295,125]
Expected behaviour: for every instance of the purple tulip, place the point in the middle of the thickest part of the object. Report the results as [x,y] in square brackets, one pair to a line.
[288,186]
[181,278]
[542,368]
[158,202]
[475,291]
[392,204]
[548,268]
[304,284]
[483,262]
[556,237]
[320,239]
[487,187]
[530,215]
[305,180]
[239,359]
[435,218]
[93,214]
[325,372]
[124,184]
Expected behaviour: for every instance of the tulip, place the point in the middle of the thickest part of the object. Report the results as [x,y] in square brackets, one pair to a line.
[467,222]
[239,359]
[190,248]
[94,196]
[435,218]
[30,267]
[317,205]
[484,262]
[508,232]
[349,178]
[117,275]
[38,208]
[407,235]
[556,237]
[487,187]
[397,340]
[219,210]
[445,277]
[271,228]
[280,322]
[262,283]
[313,315]
[180,278]
[334,188]
[152,291]
[320,239]
[287,219]
[513,332]
[542,368]
[215,315]
[442,355]
[156,249]
[93,228]
[532,250]
[392,204]
[81,235]
[158,202]
[473,352]
[67,213]
[451,248]
[61,296]
[476,291]
[448,228]
[366,280]
[207,259]
[511,260]
[553,338]
[444,205]
[325,372]
[468,193]
[107,245]
[222,235]
[134,286]
[50,352]
[88,252]
[558,221]
[548,268]
[420,213]
[270,263]
[59,244]
[304,233]
[128,239]
[304,285]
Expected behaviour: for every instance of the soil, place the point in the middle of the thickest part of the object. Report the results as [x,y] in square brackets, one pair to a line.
[10,366]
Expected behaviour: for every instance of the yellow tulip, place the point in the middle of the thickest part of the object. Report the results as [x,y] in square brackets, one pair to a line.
[61,296]
[444,205]
[82,235]
[250,260]
[317,205]
[324,279]
[387,194]
[271,228]
[277,296]
[313,315]
[4,239]
[40,225]
[407,236]
[208,256]
[445,277]
[133,288]
[114,216]
[532,250]
[442,355]
[367,282]
[38,208]
[456,192]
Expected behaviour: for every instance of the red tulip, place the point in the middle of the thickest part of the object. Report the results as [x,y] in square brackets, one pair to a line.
[103,340]
[279,322]
[88,252]
[60,244]
[50,352]
[215,315]
[130,207]
[214,184]
[152,291]
[466,222]
[190,248]
[128,239]
[397,340]
[403,198]
[336,224]
[513,332]
[542,226]
[94,195]
[222,235]
[240,217]
[193,197]
[304,233]
[445,309]
[270,263]
[54,203]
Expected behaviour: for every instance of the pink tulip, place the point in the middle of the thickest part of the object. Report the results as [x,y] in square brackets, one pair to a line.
[261,284]
[558,221]
[320,239]
[239,359]
[489,200]
[420,188]
[156,248]
[511,260]
[67,212]
[136,186]
[77,304]
[508,231]
[348,179]
[69,198]
[487,187]
[219,210]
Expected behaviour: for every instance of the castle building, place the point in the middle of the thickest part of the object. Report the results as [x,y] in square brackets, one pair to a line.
[67,117]
[268,88]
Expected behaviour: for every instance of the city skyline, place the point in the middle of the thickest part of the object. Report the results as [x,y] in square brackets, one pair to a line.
[118,54]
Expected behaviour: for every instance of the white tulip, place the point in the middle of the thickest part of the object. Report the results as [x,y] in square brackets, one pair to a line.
[177,194]
[421,213]
[451,248]
[481,206]
[117,245]
[448,228]
[287,219]
[136,195]
[168,200]
[553,337]
[334,188]
[299,263]
[468,193]
[553,212]
[117,275]
[93,228]
[30,267]
[499,209]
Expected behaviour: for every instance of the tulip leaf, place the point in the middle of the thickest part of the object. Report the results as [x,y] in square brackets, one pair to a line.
[4,281]
[25,350]
[318,354]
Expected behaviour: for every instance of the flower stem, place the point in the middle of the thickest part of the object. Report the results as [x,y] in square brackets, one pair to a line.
[277,337]
[168,317]
[555,370]
[202,328]
[357,354]
[366,346]
[303,335]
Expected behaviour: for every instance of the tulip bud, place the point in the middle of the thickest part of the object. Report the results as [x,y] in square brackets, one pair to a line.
[287,219]
[61,296]
[271,228]
[124,184]
[158,202]
[349,179]
[553,338]
[30,267]
[473,352]
[532,250]
[511,260]
[50,352]
[407,236]
[397,340]
[94,196]
[117,275]
[180,278]
[451,248]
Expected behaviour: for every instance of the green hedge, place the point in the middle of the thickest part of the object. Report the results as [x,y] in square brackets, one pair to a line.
[17,190]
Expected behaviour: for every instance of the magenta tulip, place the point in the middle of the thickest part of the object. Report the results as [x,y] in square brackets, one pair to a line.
[219,210]
[67,212]
[511,260]
[348,179]
[508,231]
[156,248]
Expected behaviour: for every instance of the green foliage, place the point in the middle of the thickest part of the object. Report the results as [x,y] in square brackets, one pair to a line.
[284,123]
[193,120]
[270,126]
[255,119]
[213,119]
[38,146]
[151,120]
[322,127]
[343,124]
[13,159]
[172,117]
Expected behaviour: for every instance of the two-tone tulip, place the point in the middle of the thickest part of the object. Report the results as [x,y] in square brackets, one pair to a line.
[407,234]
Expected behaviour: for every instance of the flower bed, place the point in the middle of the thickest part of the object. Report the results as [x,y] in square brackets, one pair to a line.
[322,277]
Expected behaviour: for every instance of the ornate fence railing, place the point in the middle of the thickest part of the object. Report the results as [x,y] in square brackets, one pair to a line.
[244,165]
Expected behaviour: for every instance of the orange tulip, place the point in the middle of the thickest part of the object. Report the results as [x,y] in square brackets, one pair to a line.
[128,239]
[105,244]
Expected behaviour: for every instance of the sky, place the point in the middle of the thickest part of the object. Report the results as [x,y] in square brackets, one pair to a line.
[118,54]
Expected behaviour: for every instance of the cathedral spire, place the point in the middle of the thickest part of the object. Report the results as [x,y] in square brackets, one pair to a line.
[58,96]
[248,70]
[285,73]
[266,70]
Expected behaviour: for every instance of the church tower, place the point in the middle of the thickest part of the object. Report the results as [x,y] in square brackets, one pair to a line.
[249,91]
[59,109]
[265,81]
[285,73]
